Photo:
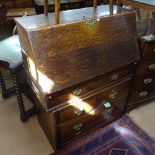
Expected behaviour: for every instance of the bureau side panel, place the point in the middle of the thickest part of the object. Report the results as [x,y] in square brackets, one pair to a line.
[29,61]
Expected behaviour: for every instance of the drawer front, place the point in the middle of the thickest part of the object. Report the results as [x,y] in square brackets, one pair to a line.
[143,81]
[100,115]
[146,67]
[116,95]
[90,86]
[143,93]
[149,51]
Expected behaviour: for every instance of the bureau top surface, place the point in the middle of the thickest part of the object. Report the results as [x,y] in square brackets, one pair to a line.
[42,21]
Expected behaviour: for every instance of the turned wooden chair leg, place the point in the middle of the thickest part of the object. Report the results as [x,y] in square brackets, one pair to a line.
[3,86]
[5,91]
[23,114]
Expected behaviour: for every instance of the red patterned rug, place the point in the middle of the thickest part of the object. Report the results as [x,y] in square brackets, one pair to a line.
[122,137]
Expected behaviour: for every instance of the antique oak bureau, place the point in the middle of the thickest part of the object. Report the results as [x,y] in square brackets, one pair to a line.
[80,69]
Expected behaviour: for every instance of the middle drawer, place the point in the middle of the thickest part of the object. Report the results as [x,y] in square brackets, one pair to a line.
[146,67]
[138,95]
[143,81]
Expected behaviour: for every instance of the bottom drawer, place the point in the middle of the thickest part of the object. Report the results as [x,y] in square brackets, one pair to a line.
[100,115]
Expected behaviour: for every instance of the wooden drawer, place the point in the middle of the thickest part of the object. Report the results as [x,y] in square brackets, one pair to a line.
[100,115]
[141,94]
[89,87]
[146,67]
[116,95]
[149,51]
[143,81]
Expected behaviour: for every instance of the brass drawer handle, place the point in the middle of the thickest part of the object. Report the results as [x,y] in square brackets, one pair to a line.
[143,94]
[91,23]
[78,127]
[152,67]
[147,81]
[154,50]
[115,76]
[108,106]
[113,95]
[77,92]
[77,133]
[110,110]
[78,112]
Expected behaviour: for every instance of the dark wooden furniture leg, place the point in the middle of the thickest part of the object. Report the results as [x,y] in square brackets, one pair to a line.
[5,91]
[3,86]
[24,114]
[5,94]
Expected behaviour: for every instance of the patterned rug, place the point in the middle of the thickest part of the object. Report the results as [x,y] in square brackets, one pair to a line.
[122,137]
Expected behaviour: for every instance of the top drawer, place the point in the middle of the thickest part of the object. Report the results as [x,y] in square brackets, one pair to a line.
[90,86]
